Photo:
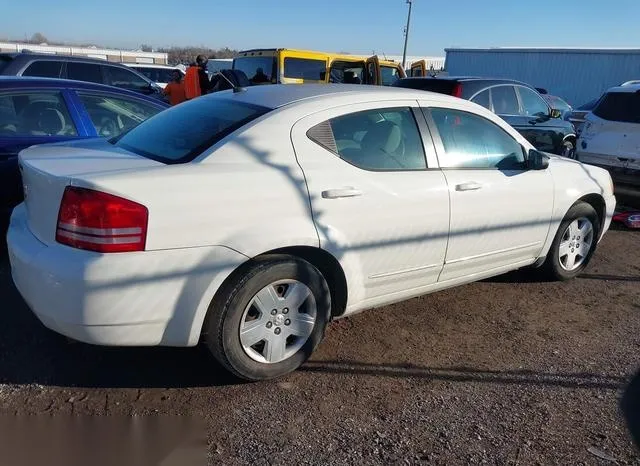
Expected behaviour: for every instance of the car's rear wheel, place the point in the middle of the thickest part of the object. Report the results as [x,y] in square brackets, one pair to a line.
[269,319]
[574,243]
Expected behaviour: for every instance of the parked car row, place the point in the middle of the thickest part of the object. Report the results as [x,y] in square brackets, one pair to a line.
[517,103]
[38,111]
[85,69]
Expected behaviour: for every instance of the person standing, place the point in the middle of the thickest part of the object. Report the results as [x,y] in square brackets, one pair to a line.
[205,82]
[175,89]
[196,80]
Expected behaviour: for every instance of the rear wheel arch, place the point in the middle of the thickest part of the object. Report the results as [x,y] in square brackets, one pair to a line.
[330,269]
[326,264]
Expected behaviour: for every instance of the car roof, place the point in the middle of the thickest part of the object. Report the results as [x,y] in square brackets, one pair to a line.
[19,82]
[626,88]
[467,78]
[279,95]
[151,65]
[55,56]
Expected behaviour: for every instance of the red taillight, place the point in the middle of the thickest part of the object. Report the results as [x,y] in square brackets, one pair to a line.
[457,90]
[101,222]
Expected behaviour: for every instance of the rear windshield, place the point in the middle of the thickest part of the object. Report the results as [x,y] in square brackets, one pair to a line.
[619,106]
[441,86]
[183,132]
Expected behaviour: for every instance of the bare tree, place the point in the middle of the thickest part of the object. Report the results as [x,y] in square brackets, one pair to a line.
[38,38]
[146,48]
[188,54]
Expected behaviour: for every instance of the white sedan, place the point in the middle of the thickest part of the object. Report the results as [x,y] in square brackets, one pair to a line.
[249,220]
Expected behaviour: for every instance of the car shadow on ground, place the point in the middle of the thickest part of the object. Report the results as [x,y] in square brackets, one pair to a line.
[51,360]
[519,276]
[32,354]
[468,374]
[630,407]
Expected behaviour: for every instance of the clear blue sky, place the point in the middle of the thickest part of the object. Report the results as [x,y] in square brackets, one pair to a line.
[356,26]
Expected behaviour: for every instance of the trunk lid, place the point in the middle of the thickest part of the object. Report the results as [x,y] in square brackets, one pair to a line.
[46,171]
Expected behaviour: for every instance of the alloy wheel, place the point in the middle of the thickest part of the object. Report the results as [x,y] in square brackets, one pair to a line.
[575,244]
[278,321]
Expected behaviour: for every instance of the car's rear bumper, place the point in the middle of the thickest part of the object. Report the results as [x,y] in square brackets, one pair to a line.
[123,299]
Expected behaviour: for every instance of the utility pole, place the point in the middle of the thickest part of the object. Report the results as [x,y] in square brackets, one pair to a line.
[406,36]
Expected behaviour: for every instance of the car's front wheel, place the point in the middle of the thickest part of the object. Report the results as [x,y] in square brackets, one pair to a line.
[569,149]
[574,243]
[269,319]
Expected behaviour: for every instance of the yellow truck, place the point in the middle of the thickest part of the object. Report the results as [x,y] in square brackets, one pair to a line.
[291,66]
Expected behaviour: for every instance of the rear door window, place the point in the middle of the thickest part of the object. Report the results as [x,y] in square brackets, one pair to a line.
[112,116]
[88,72]
[504,100]
[44,69]
[384,139]
[183,132]
[305,68]
[35,113]
[619,106]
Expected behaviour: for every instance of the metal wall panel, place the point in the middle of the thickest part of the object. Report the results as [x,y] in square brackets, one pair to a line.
[576,75]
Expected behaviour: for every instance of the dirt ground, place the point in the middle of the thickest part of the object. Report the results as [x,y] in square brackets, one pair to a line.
[505,371]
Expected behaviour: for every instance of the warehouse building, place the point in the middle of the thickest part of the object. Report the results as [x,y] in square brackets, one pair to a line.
[577,75]
[121,56]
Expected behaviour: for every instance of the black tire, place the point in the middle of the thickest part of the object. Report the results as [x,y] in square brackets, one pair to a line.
[569,149]
[552,267]
[225,315]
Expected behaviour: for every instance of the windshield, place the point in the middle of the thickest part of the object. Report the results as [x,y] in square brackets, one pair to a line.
[441,86]
[183,132]
[259,70]
[558,104]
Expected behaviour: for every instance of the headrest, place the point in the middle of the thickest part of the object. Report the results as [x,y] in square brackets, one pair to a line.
[51,121]
[385,136]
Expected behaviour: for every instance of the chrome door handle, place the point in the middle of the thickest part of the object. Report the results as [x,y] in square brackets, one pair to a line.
[342,192]
[470,186]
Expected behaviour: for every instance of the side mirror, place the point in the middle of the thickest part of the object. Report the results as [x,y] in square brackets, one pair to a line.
[555,113]
[537,160]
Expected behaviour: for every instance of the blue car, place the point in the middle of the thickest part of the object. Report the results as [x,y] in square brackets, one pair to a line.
[42,110]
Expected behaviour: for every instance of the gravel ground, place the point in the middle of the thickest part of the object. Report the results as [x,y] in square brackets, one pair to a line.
[505,371]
